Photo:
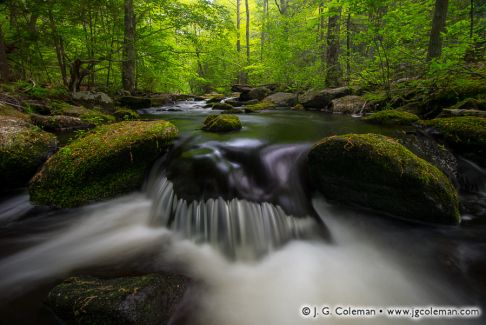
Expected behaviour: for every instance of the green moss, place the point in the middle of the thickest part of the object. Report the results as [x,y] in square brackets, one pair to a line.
[222,123]
[471,103]
[125,114]
[222,106]
[39,92]
[261,106]
[104,163]
[463,132]
[7,110]
[234,111]
[392,117]
[23,148]
[377,172]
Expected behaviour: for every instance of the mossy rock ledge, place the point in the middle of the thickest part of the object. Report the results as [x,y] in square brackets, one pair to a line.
[462,133]
[222,123]
[23,148]
[392,117]
[109,161]
[376,172]
[149,299]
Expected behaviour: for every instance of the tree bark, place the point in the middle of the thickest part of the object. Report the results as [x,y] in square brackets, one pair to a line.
[5,74]
[264,25]
[438,27]
[59,45]
[247,8]
[129,54]
[238,26]
[333,77]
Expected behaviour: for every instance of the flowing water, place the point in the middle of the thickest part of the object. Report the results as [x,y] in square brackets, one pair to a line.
[235,212]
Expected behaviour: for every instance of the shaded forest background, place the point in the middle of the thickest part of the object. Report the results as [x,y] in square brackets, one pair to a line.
[200,46]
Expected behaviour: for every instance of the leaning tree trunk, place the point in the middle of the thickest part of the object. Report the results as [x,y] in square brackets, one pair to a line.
[5,74]
[438,27]
[128,66]
[333,77]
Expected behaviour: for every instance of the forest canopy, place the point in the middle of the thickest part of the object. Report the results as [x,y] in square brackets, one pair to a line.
[200,46]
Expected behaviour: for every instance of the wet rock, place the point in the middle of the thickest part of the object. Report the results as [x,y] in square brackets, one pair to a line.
[258,93]
[282,99]
[222,123]
[264,105]
[233,111]
[149,299]
[377,172]
[23,148]
[109,161]
[322,99]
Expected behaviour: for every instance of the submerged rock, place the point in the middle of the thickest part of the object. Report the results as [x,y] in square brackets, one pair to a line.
[23,148]
[149,299]
[392,117]
[377,172]
[322,99]
[109,161]
[222,123]
[462,133]
[348,105]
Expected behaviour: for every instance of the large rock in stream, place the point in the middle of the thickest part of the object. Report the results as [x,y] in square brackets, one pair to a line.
[322,99]
[376,172]
[222,123]
[110,160]
[150,299]
[23,148]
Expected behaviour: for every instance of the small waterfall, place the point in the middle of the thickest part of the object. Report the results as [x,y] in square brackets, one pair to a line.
[239,228]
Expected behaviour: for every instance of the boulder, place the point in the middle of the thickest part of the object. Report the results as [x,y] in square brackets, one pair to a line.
[109,161]
[377,172]
[282,99]
[464,133]
[60,123]
[92,98]
[149,299]
[23,148]
[264,105]
[135,102]
[241,88]
[392,117]
[161,100]
[257,93]
[322,99]
[233,111]
[222,123]
[348,105]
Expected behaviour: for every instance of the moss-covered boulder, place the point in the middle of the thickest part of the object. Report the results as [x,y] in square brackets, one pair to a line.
[222,106]
[222,123]
[125,114]
[377,172]
[60,123]
[263,105]
[23,148]
[109,161]
[392,117]
[149,299]
[462,133]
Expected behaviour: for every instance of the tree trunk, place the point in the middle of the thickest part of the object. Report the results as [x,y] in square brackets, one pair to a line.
[322,34]
[238,26]
[5,74]
[247,7]
[348,49]
[264,25]
[59,45]
[333,77]
[128,66]
[438,27]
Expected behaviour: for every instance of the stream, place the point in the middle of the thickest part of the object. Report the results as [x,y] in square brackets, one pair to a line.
[235,212]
